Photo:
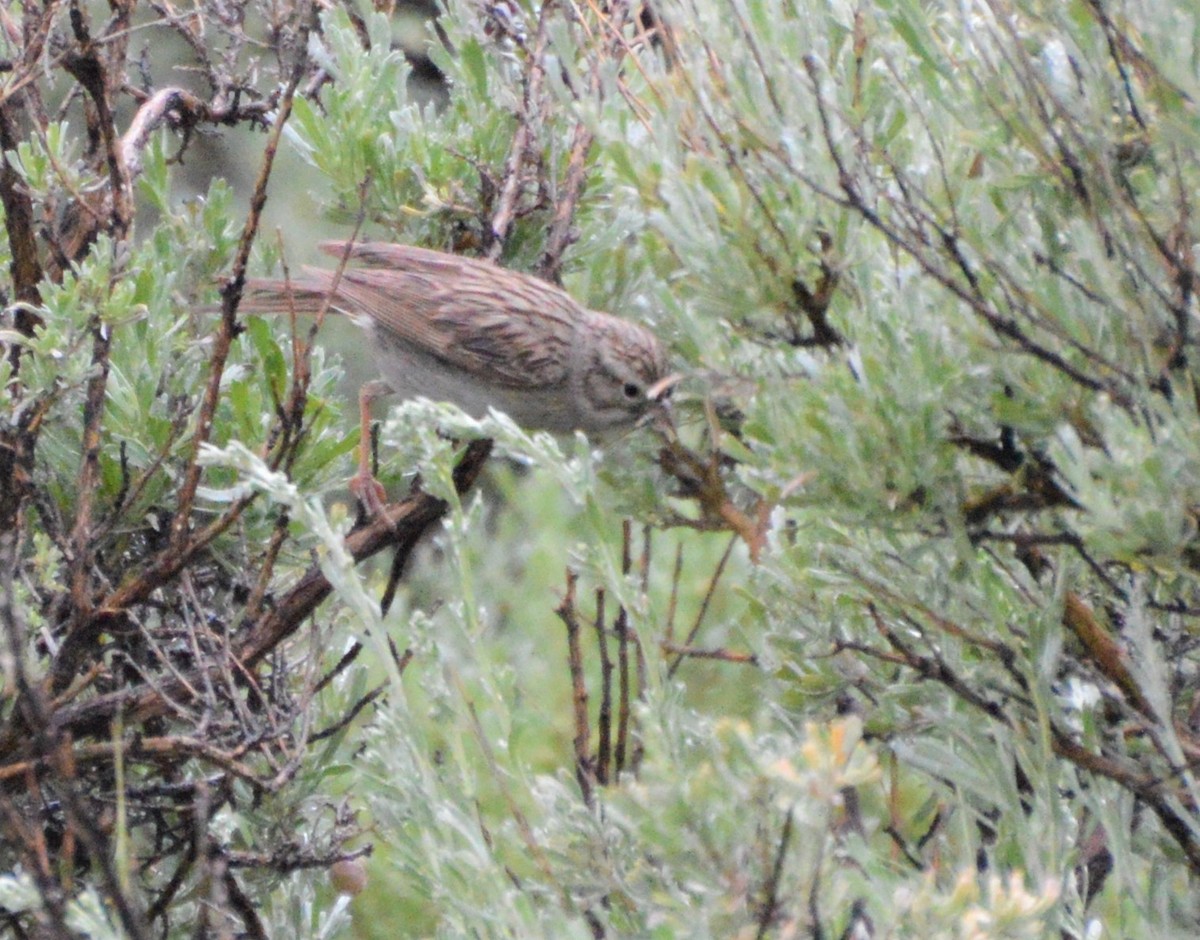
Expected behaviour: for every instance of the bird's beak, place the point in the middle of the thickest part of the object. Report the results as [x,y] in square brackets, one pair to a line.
[660,391]
[661,416]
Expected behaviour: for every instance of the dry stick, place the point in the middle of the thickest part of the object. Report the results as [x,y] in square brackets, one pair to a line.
[25,268]
[1165,804]
[188,27]
[291,415]
[168,104]
[232,293]
[1104,651]
[700,652]
[770,905]
[206,878]
[400,525]
[64,663]
[970,292]
[90,72]
[604,749]
[510,191]
[569,616]
[36,857]
[13,659]
[936,669]
[644,560]
[560,235]
[622,630]
[339,667]
[35,37]
[80,685]
[253,606]
[673,603]
[639,651]
[284,864]
[171,888]
[87,69]
[244,907]
[32,705]
[399,660]
[18,445]
[1150,788]
[704,605]
[351,713]
[182,548]
[152,750]
[262,583]
[81,818]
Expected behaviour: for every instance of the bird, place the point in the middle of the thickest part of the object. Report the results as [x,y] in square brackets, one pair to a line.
[469,332]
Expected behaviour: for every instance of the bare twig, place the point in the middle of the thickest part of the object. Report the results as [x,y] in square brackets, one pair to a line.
[567,613]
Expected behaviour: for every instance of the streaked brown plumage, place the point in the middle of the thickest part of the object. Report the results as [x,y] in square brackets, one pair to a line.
[476,335]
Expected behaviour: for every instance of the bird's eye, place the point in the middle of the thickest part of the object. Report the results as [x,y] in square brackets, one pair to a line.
[632,391]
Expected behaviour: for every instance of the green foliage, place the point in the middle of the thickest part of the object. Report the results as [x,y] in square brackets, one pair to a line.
[928,272]
[998,276]
[423,168]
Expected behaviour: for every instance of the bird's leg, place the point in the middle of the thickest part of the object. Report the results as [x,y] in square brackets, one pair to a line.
[366,489]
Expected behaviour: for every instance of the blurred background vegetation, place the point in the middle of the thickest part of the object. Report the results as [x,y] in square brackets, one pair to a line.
[895,637]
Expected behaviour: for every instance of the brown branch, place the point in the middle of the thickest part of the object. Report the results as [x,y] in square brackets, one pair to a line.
[1165,801]
[561,233]
[113,208]
[1165,804]
[170,749]
[966,286]
[604,746]
[702,480]
[568,615]
[25,268]
[401,524]
[79,630]
[231,295]
[709,593]
[1104,652]
[351,713]
[243,906]
[625,694]
[523,137]
[769,908]
[694,652]
[173,106]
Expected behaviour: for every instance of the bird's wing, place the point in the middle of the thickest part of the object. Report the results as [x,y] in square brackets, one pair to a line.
[508,328]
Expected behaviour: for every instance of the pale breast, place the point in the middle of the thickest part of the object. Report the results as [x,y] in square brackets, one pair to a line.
[415,374]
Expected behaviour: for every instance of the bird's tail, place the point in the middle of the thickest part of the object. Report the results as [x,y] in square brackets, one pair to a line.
[303,296]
